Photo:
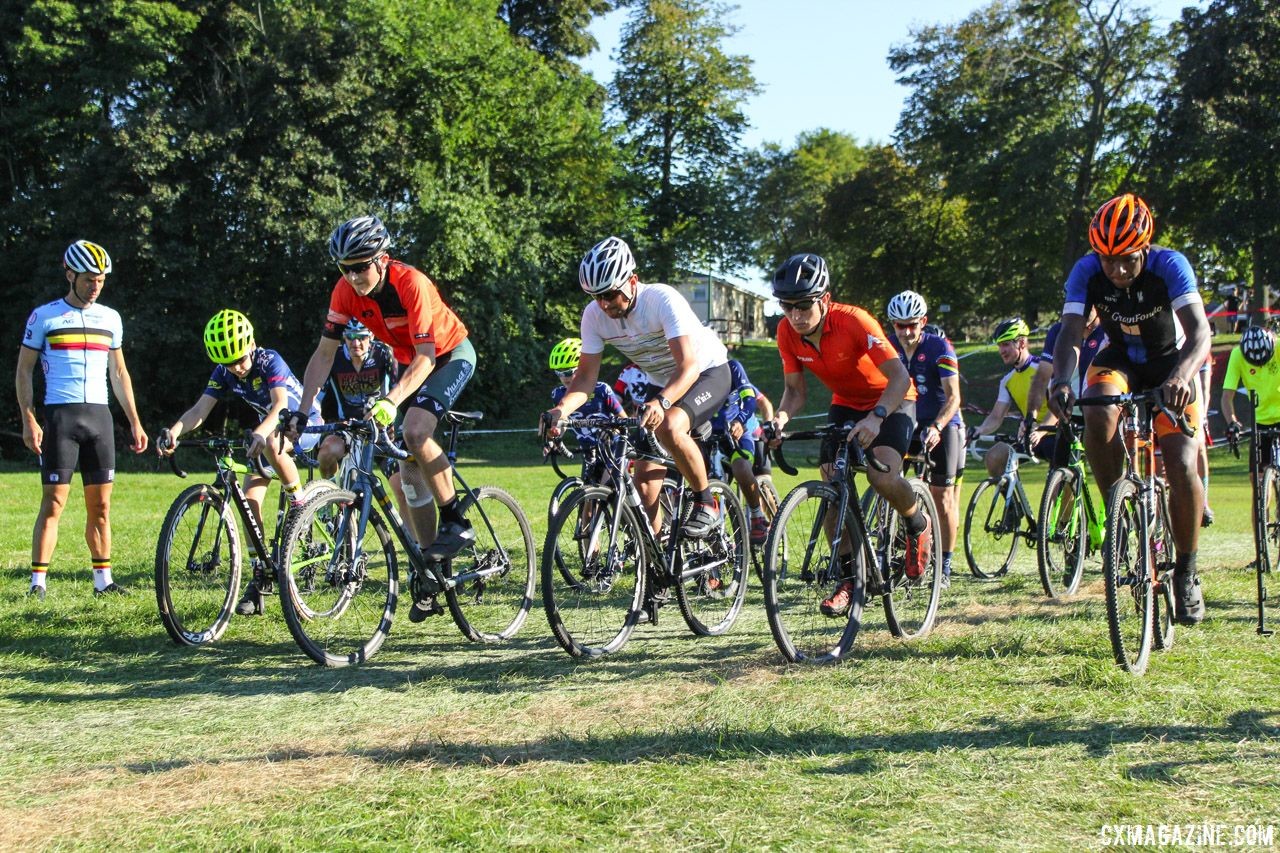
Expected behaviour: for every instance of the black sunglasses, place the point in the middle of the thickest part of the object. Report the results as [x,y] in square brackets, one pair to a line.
[355,269]
[564,374]
[608,295]
[798,305]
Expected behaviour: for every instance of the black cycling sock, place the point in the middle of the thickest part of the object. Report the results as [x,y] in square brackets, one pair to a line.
[704,497]
[915,523]
[449,511]
[1185,564]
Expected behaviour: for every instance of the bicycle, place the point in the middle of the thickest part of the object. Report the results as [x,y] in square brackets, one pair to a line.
[1072,527]
[604,569]
[1138,550]
[340,561]
[992,530]
[198,555]
[821,537]
[1265,496]
[719,467]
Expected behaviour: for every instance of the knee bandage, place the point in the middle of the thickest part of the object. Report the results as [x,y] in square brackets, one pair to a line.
[414,485]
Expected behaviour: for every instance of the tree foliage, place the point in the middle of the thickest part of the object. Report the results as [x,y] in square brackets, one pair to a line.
[679,98]
[557,29]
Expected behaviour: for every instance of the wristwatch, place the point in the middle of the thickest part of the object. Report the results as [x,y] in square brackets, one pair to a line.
[880,412]
[663,402]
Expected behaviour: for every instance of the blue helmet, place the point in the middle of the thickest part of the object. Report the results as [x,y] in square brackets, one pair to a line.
[356,329]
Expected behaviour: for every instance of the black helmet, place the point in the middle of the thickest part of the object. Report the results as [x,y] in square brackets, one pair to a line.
[801,276]
[359,239]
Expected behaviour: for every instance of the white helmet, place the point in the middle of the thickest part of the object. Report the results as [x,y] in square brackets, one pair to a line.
[608,266]
[907,305]
[83,256]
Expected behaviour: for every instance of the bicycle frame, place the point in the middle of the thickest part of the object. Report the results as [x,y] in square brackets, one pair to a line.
[1095,521]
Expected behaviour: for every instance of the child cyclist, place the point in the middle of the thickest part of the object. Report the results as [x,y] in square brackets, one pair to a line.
[735,426]
[261,379]
[563,362]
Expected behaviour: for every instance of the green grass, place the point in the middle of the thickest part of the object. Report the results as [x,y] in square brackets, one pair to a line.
[1008,728]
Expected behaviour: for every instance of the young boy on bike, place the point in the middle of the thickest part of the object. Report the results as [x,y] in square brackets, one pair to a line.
[735,427]
[260,378]
[563,363]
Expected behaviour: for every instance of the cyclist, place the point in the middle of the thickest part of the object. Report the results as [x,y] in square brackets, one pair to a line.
[1015,391]
[1253,366]
[1152,312]
[78,342]
[1095,338]
[564,363]
[403,309]
[653,325]
[931,362]
[845,348]
[362,368]
[259,378]
[629,386]
[735,427]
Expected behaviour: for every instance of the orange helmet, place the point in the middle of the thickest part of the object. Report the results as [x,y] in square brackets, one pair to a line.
[1121,226]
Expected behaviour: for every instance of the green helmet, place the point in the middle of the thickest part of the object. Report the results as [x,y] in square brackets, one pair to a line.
[1010,330]
[564,355]
[227,336]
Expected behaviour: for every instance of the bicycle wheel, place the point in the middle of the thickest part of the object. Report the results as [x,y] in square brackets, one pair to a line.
[1127,578]
[198,563]
[557,495]
[593,569]
[769,501]
[1269,528]
[713,571]
[492,606]
[990,530]
[1063,537]
[910,604]
[800,570]
[1163,553]
[341,585]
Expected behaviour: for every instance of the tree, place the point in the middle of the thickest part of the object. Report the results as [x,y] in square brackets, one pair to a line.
[679,96]
[1034,112]
[557,29]
[1217,142]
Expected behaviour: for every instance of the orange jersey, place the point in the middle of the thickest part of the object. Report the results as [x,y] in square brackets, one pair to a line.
[405,312]
[847,359]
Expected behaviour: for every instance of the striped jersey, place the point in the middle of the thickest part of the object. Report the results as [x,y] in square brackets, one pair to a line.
[74,346]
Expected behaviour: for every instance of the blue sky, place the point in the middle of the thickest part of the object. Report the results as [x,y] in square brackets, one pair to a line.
[823,63]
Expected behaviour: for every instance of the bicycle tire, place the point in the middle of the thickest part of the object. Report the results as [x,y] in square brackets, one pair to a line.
[198,566]
[988,547]
[557,494]
[1126,577]
[493,608]
[1063,539]
[910,604]
[1163,552]
[340,592]
[769,501]
[799,568]
[710,597]
[1267,529]
[595,614]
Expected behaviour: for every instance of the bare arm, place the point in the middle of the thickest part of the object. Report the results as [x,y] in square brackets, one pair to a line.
[581,386]
[682,350]
[414,373]
[1066,357]
[951,402]
[1196,346]
[1039,387]
[191,419]
[32,434]
[318,367]
[795,392]
[1228,405]
[122,384]
[994,418]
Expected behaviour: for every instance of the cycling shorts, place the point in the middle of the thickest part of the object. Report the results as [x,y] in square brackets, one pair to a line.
[705,396]
[895,430]
[78,435]
[946,458]
[440,391]
[1112,367]
[1264,449]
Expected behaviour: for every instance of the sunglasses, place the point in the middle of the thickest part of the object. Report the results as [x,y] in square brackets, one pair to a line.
[905,326]
[608,295]
[798,305]
[355,269]
[564,374]
[360,337]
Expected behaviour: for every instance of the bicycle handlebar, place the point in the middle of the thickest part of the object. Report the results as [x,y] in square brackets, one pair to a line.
[365,428]
[861,459]
[217,446]
[1153,398]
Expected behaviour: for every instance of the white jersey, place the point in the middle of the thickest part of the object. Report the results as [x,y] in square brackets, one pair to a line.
[74,346]
[659,314]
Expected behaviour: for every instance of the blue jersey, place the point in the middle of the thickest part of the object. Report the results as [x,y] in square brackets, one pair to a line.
[933,361]
[740,405]
[267,371]
[349,387]
[1091,346]
[74,346]
[603,402]
[1141,317]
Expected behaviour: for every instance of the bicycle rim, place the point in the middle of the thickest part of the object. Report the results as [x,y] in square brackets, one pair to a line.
[713,571]
[990,544]
[340,588]
[1063,535]
[593,567]
[801,570]
[492,608]
[910,604]
[198,564]
[1127,580]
